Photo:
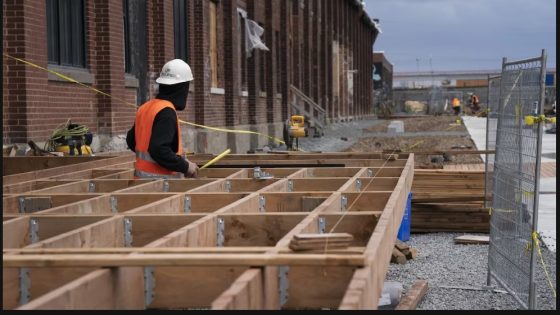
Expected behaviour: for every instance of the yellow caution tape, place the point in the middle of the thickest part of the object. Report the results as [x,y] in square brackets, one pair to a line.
[535,237]
[216,159]
[69,79]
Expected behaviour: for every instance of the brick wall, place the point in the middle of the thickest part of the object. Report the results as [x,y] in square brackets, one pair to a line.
[299,34]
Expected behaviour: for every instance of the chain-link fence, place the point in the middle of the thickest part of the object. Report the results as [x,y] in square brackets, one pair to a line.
[440,100]
[512,256]
[494,85]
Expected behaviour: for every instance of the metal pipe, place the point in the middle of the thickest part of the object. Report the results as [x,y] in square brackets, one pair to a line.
[532,284]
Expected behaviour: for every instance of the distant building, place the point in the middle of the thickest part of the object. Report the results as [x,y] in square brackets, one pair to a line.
[382,78]
[382,71]
[451,79]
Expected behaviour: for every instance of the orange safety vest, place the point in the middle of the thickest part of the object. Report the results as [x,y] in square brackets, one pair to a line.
[456,102]
[145,166]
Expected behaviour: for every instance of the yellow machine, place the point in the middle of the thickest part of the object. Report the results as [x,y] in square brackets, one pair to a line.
[85,150]
[296,130]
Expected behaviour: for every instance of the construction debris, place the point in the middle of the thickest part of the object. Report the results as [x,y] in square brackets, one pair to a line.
[413,296]
[402,253]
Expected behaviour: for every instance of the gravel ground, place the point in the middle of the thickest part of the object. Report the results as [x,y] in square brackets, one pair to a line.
[443,263]
[440,261]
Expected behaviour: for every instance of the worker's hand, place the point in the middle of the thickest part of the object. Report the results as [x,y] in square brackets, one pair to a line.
[192,172]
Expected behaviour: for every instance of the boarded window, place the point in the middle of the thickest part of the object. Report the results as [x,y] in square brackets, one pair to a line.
[215,64]
[65,33]
[242,54]
[263,64]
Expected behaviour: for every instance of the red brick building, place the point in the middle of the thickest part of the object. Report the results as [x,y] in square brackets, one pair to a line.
[322,48]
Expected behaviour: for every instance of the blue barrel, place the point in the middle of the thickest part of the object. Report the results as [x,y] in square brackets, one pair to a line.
[404,230]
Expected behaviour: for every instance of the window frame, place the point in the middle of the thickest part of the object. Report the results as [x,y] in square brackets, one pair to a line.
[74,53]
[180,30]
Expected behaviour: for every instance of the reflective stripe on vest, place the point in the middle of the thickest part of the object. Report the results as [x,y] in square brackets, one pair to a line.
[145,117]
[141,174]
[145,156]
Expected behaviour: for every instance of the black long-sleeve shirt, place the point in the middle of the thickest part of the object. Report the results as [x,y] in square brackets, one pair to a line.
[164,142]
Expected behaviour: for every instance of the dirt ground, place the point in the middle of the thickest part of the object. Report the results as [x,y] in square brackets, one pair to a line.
[423,144]
[406,143]
[433,123]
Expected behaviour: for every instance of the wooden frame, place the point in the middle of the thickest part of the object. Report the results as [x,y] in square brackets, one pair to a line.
[218,242]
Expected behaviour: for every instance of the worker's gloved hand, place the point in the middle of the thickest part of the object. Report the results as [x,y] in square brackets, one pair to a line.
[192,172]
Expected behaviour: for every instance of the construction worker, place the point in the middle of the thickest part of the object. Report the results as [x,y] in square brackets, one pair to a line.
[474,103]
[155,136]
[456,106]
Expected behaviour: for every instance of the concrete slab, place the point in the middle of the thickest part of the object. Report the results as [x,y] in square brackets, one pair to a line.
[547,202]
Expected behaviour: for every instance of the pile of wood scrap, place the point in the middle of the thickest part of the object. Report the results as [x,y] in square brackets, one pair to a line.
[303,242]
[402,253]
[449,201]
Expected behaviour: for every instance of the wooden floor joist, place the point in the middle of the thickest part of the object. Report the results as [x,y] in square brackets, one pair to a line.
[89,236]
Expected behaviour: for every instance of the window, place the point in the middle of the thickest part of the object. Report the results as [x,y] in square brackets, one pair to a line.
[242,51]
[278,64]
[126,19]
[180,26]
[65,32]
[262,56]
[215,65]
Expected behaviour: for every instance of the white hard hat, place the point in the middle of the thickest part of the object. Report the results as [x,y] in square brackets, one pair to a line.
[174,72]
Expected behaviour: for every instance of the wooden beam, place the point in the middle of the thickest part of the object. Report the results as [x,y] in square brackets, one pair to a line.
[245,294]
[22,177]
[413,296]
[171,260]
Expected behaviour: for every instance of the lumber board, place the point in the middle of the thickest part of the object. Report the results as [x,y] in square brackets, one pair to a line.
[105,233]
[22,177]
[149,250]
[246,293]
[323,184]
[367,201]
[97,290]
[183,250]
[174,260]
[258,229]
[359,225]
[15,233]
[184,185]
[473,239]
[293,201]
[52,226]
[413,296]
[359,292]
[148,228]
[33,185]
[10,288]
[10,204]
[250,185]
[201,233]
[172,204]
[317,288]
[210,202]
[192,287]
[310,203]
[18,164]
[379,183]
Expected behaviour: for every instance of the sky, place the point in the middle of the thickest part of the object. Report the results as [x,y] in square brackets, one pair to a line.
[441,35]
